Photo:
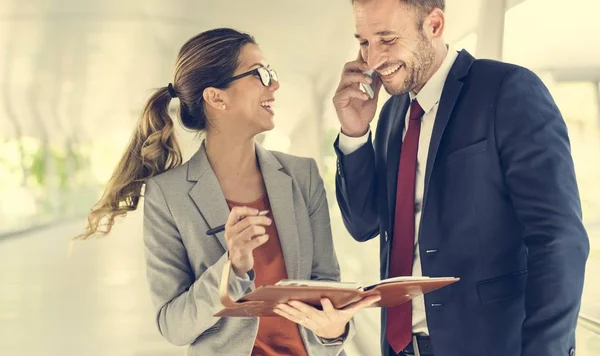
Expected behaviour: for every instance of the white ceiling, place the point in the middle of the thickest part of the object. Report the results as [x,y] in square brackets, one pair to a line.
[85,67]
[553,34]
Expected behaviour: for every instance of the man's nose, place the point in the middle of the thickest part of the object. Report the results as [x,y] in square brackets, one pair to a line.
[374,58]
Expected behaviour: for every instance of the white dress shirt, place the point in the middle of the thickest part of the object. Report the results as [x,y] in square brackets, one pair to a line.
[428,98]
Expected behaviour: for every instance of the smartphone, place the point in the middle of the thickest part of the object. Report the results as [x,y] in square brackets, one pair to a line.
[370,88]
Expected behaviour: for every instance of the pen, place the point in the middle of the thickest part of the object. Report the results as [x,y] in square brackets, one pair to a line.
[221,228]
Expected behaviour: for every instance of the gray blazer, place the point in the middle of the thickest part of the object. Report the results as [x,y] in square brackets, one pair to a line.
[184,266]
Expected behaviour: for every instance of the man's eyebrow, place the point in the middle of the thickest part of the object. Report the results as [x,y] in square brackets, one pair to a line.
[380,33]
[386,33]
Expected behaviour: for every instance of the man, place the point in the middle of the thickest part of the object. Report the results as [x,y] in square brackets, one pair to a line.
[469,175]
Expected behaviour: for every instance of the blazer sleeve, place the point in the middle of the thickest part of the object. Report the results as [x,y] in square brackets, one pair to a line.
[538,169]
[356,191]
[325,263]
[184,305]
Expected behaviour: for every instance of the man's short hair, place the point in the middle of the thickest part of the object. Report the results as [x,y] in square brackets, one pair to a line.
[422,7]
[426,5]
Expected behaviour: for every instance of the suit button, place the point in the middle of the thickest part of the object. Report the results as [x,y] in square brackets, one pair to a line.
[572,352]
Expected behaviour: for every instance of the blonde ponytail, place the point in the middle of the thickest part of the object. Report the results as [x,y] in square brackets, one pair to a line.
[152,150]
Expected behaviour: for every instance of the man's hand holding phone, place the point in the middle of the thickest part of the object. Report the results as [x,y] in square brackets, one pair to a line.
[355,109]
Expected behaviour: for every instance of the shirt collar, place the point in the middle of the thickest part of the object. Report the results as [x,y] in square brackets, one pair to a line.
[432,91]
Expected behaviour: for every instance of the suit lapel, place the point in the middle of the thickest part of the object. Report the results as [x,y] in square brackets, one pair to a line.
[207,193]
[279,189]
[209,198]
[450,94]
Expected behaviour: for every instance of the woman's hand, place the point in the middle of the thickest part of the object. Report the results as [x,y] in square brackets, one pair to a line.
[328,323]
[244,231]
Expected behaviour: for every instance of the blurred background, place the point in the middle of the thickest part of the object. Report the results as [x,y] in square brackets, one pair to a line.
[74,76]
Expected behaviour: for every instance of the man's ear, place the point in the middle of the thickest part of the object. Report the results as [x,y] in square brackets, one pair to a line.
[435,23]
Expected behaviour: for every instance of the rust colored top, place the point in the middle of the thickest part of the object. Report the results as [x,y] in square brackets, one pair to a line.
[276,335]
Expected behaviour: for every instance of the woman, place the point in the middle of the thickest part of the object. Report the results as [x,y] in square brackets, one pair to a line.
[226,90]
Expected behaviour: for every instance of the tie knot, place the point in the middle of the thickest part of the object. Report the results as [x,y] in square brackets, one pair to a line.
[416,111]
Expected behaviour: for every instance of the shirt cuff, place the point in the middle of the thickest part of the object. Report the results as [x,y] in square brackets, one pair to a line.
[248,276]
[338,340]
[245,283]
[349,144]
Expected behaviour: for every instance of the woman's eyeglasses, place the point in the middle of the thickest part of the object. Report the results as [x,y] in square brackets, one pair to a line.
[266,75]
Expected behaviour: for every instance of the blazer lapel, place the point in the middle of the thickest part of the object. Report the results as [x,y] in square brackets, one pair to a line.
[450,93]
[279,190]
[209,198]
[207,193]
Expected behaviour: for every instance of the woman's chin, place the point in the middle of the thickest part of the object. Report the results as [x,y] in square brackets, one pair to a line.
[268,124]
[263,127]
[268,128]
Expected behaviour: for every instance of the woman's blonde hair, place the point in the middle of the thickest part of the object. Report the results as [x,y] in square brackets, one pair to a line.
[206,60]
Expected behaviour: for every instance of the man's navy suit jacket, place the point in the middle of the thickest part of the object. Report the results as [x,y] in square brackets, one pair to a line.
[501,210]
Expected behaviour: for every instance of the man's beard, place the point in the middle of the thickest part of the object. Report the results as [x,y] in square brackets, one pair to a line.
[416,71]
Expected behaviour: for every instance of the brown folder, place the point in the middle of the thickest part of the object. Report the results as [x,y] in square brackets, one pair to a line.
[261,301]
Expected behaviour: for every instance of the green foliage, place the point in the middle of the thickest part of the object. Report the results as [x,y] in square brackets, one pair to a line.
[38,165]
[58,182]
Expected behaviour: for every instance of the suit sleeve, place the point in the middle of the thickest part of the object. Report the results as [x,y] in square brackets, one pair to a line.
[184,305]
[539,173]
[356,191]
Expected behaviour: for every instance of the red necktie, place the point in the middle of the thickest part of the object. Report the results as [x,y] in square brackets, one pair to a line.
[399,318]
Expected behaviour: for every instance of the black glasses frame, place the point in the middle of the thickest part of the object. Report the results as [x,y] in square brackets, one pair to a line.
[266,75]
